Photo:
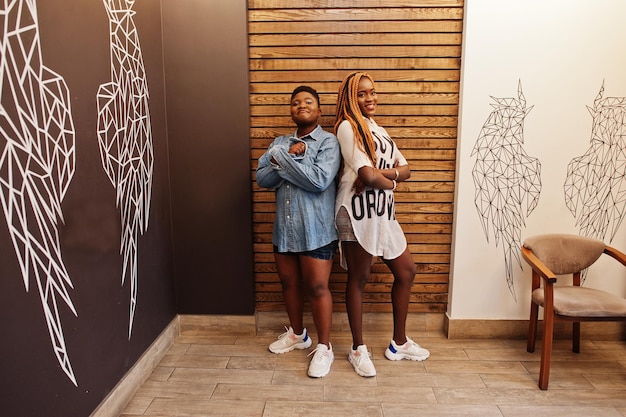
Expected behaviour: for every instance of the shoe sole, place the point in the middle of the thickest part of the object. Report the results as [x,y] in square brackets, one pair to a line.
[304,345]
[358,371]
[399,356]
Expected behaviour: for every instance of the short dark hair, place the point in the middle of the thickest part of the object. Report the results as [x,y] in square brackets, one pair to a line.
[307,89]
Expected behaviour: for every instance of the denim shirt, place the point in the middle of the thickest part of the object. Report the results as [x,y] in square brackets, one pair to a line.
[305,190]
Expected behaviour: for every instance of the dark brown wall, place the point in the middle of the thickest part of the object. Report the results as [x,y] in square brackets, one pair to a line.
[197,250]
[206,78]
[75,44]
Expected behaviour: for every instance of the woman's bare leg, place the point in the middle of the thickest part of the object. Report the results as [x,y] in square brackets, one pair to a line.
[288,267]
[403,270]
[359,264]
[315,274]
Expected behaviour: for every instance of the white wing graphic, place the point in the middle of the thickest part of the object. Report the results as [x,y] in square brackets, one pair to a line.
[125,136]
[37,162]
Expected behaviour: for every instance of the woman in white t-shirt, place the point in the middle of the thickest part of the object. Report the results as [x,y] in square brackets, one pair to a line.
[365,217]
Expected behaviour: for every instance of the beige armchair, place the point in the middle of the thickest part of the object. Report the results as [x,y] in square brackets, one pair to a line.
[560,254]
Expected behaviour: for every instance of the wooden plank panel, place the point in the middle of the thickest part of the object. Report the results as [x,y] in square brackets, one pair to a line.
[362,14]
[339,306]
[266,247]
[391,121]
[385,88]
[269,278]
[412,49]
[383,109]
[425,166]
[403,194]
[418,258]
[421,75]
[319,52]
[301,4]
[396,133]
[335,39]
[351,64]
[387,99]
[382,288]
[347,26]
[424,206]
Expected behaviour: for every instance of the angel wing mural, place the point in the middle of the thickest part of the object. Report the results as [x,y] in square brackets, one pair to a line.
[37,162]
[125,136]
[507,181]
[595,187]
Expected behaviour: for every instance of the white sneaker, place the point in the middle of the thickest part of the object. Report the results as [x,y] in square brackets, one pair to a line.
[289,341]
[361,361]
[410,350]
[323,357]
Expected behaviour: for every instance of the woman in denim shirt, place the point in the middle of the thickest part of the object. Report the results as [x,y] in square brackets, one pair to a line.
[301,168]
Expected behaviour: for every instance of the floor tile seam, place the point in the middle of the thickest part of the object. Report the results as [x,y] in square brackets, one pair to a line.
[434,369]
[581,372]
[167,368]
[576,359]
[553,390]
[495,398]
[482,379]
[495,408]
[148,406]
[195,365]
[558,408]
[543,393]
[343,402]
[587,378]
[353,403]
[178,345]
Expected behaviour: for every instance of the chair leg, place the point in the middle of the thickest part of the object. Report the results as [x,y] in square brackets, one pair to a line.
[576,337]
[546,351]
[532,328]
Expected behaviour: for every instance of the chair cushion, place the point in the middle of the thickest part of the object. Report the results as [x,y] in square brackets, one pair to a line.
[583,302]
[565,254]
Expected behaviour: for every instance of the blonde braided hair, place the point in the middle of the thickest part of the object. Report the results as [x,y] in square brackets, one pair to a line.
[348,109]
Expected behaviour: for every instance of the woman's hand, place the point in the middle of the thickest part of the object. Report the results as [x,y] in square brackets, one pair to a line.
[358,186]
[377,178]
[297,148]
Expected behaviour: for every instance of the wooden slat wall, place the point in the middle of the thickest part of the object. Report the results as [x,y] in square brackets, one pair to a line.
[412,49]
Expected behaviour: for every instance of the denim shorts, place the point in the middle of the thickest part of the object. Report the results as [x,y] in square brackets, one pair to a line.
[325,252]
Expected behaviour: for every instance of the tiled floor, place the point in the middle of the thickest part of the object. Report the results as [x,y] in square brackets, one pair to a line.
[225,369]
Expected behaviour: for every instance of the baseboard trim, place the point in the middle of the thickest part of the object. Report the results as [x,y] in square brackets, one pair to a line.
[123,392]
[518,329]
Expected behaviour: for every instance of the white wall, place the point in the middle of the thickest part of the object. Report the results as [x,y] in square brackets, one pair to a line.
[562,51]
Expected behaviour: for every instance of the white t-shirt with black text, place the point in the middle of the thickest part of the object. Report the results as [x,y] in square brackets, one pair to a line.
[372,212]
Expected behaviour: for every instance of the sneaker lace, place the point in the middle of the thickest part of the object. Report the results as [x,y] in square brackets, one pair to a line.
[361,357]
[412,343]
[318,354]
[284,335]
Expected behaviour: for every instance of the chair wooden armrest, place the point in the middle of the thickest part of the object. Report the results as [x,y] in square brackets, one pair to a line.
[616,254]
[538,266]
